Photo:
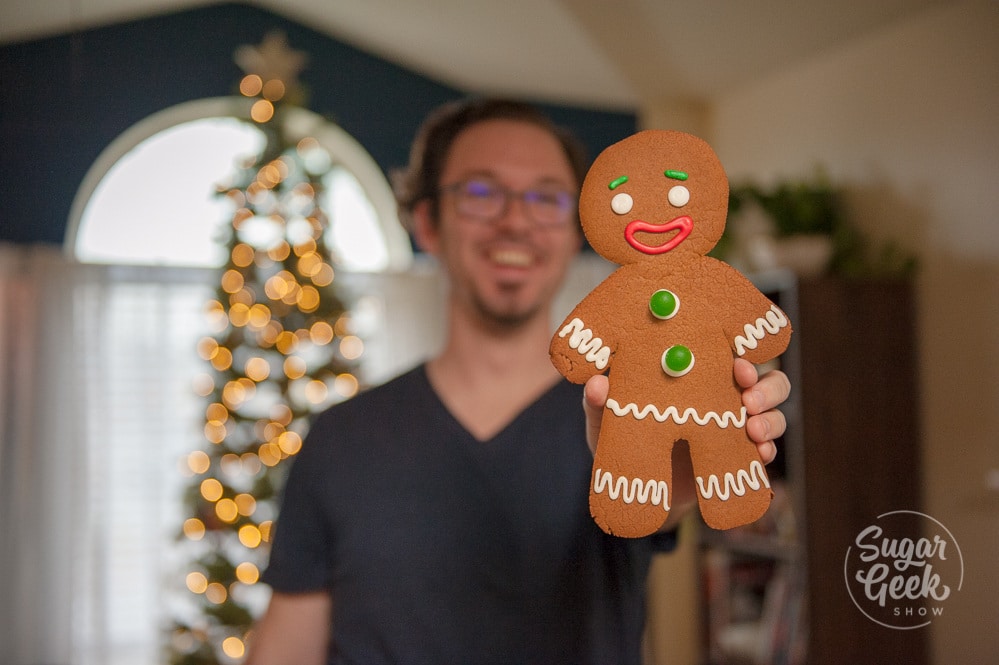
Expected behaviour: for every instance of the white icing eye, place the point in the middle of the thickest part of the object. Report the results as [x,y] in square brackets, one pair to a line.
[621,203]
[679,196]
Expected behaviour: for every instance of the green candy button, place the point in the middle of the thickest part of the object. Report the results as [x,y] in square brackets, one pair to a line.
[677,360]
[664,304]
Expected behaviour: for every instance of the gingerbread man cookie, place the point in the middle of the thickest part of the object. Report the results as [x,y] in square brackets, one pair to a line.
[666,326]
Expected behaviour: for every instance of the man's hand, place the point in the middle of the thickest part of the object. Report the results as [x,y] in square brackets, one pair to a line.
[761,396]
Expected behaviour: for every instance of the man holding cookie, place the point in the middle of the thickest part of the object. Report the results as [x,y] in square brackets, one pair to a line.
[443,517]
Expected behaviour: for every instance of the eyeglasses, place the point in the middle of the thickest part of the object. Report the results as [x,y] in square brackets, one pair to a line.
[485,200]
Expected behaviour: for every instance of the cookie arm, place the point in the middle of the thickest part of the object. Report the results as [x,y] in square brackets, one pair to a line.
[577,351]
[765,337]
[757,329]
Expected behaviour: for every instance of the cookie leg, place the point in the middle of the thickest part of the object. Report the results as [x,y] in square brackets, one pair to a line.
[730,480]
[631,485]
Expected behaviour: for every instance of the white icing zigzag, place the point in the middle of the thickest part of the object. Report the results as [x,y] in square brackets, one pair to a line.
[756,477]
[722,420]
[582,340]
[772,323]
[655,492]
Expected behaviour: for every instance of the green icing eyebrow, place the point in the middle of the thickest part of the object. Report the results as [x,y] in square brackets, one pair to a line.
[617,182]
[675,175]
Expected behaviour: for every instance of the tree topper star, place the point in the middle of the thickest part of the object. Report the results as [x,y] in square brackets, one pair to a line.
[273,59]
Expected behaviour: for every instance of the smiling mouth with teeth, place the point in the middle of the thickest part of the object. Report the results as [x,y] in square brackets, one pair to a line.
[511,257]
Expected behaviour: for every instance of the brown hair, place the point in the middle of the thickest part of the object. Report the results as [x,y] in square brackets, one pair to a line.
[421,178]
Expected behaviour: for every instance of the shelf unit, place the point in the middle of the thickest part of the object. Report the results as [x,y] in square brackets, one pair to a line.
[774,592]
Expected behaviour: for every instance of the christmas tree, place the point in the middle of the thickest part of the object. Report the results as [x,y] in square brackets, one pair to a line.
[281,349]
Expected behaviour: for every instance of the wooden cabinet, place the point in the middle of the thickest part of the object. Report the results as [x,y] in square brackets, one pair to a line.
[851,453]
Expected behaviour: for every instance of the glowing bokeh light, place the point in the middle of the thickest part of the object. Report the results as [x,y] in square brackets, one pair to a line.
[199,462]
[262,111]
[247,573]
[291,442]
[257,369]
[197,582]
[246,505]
[242,255]
[273,90]
[270,454]
[232,281]
[216,413]
[251,85]
[211,489]
[351,347]
[215,432]
[265,530]
[233,647]
[226,510]
[286,342]
[216,593]
[308,299]
[249,536]
[321,333]
[194,529]
[346,385]
[316,391]
[323,276]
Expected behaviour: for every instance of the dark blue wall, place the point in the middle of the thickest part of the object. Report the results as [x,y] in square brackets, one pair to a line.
[64,99]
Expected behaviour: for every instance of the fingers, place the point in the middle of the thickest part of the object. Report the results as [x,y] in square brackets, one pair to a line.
[594,397]
[764,428]
[595,393]
[761,396]
[768,451]
[745,372]
[758,396]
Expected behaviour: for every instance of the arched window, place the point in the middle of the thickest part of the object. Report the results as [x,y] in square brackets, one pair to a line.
[149,198]
[142,231]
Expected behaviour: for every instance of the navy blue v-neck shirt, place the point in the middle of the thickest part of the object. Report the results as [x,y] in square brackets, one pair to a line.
[439,548]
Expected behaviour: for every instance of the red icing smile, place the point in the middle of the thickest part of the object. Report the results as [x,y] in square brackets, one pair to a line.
[683,225]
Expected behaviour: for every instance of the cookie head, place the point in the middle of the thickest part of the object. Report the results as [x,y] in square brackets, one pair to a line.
[656,195]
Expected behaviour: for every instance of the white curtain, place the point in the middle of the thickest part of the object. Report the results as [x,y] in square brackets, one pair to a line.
[97,410]
[42,500]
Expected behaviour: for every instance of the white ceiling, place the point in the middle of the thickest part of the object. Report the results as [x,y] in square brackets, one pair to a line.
[603,53]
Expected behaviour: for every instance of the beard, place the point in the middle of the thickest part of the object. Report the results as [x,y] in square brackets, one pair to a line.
[507,315]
